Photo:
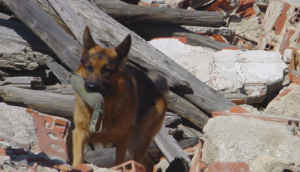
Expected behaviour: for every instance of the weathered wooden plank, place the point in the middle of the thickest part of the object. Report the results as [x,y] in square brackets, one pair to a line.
[70,18]
[169,146]
[199,40]
[106,157]
[17,56]
[176,16]
[150,31]
[187,110]
[24,82]
[50,103]
[59,71]
[171,119]
[44,26]
[17,32]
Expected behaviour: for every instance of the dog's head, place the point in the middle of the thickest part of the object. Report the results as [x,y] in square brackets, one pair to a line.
[100,67]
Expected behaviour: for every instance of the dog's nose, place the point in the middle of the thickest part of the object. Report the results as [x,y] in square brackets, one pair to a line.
[92,87]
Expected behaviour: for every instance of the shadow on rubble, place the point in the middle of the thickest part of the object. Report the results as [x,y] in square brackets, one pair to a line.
[21,157]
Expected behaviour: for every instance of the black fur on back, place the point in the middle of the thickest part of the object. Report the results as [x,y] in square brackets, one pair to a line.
[149,89]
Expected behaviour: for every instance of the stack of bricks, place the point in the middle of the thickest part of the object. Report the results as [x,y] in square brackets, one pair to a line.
[280,26]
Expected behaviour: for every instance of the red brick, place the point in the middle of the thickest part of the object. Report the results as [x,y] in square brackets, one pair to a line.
[181,39]
[238,109]
[281,120]
[196,164]
[246,9]
[48,121]
[83,168]
[285,42]
[44,141]
[60,122]
[238,101]
[230,48]
[280,21]
[228,167]
[130,166]
[219,38]
[2,152]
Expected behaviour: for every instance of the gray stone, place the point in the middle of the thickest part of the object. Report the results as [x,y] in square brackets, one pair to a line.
[286,105]
[262,3]
[240,139]
[265,163]
[17,127]
[5,160]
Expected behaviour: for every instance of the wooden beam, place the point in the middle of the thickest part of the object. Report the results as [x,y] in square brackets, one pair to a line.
[44,26]
[50,103]
[169,146]
[176,16]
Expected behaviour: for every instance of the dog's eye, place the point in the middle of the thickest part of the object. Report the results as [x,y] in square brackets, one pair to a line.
[106,70]
[89,68]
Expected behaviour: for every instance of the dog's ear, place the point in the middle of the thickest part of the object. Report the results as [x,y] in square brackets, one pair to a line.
[123,49]
[88,41]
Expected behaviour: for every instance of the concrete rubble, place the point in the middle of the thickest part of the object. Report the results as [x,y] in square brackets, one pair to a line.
[254,63]
[242,75]
[240,139]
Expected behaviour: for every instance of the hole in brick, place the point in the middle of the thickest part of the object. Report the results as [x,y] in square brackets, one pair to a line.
[271,47]
[56,148]
[267,46]
[296,9]
[53,137]
[273,28]
[297,20]
[298,15]
[128,166]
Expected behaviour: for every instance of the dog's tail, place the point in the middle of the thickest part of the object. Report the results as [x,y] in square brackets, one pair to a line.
[160,81]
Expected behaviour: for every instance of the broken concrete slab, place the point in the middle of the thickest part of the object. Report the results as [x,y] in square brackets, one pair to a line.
[265,163]
[246,76]
[17,127]
[248,29]
[286,104]
[240,139]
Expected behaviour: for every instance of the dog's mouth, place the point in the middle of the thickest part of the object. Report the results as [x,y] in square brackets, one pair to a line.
[92,87]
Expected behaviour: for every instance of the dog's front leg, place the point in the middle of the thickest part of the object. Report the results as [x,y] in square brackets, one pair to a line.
[121,148]
[80,139]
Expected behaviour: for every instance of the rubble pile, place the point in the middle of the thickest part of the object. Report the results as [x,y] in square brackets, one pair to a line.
[232,67]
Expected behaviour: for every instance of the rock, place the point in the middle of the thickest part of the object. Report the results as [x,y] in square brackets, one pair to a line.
[235,74]
[17,127]
[265,163]
[240,139]
[163,165]
[249,29]
[288,55]
[286,104]
[262,3]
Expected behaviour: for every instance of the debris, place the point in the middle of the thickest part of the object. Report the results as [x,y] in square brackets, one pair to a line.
[221,53]
[240,139]
[237,76]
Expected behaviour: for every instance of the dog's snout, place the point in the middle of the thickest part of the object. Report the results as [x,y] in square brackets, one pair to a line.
[92,87]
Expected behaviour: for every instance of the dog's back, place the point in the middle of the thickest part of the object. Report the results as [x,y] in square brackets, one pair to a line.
[151,86]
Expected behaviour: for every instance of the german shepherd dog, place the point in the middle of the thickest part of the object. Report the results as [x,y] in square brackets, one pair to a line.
[135,102]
